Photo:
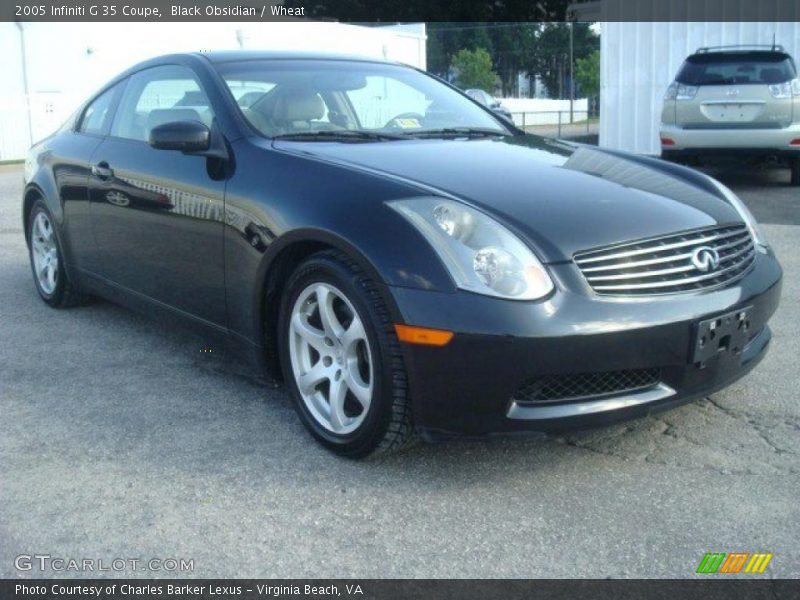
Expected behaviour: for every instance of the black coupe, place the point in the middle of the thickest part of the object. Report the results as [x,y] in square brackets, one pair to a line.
[404,259]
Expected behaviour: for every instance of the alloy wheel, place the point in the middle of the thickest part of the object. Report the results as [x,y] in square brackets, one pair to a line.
[331,358]
[44,253]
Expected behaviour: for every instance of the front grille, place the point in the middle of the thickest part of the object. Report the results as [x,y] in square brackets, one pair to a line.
[576,386]
[664,265]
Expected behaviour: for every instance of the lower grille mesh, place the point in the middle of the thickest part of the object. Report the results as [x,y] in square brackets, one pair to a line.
[558,388]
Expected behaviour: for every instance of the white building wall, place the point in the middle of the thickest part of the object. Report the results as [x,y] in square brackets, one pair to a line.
[66,62]
[13,112]
[639,60]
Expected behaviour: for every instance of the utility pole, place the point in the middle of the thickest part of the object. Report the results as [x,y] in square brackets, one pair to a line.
[25,82]
[571,72]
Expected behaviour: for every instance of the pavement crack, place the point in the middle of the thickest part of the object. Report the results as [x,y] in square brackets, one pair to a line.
[572,444]
[757,427]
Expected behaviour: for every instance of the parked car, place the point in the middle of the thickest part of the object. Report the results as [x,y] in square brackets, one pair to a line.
[734,101]
[491,102]
[402,258]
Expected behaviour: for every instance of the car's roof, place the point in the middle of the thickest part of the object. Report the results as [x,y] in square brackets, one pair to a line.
[732,55]
[221,56]
[225,56]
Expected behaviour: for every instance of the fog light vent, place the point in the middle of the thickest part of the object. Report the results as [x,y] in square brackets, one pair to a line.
[586,386]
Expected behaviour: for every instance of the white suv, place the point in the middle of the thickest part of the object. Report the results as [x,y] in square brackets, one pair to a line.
[734,101]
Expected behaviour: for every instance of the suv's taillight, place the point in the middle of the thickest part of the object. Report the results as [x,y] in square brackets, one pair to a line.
[785,90]
[679,91]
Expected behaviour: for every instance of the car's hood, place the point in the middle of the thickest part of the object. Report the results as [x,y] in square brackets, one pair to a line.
[561,197]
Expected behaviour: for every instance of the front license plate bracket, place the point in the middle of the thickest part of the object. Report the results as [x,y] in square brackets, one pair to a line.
[722,335]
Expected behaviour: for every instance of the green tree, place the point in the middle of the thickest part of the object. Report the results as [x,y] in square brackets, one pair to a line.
[474,69]
[536,48]
[509,44]
[587,74]
[512,45]
[551,61]
[445,39]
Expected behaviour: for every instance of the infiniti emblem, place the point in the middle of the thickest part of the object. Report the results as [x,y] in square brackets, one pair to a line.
[705,259]
[733,92]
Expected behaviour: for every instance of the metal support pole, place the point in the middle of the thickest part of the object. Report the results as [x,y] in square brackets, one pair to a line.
[559,123]
[25,83]
[571,72]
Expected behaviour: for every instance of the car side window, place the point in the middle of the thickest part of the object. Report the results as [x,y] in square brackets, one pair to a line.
[95,116]
[157,96]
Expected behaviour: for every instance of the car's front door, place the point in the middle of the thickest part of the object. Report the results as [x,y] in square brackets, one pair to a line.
[158,214]
[69,154]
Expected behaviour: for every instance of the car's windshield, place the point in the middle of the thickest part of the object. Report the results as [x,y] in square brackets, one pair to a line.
[291,97]
[739,68]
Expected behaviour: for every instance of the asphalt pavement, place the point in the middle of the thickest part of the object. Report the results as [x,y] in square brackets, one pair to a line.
[120,439]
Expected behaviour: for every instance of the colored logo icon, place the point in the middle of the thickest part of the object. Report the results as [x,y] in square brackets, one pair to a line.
[735,562]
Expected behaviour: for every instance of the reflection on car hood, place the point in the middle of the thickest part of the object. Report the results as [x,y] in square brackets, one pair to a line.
[563,198]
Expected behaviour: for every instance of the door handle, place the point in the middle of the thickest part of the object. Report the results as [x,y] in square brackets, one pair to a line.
[102,171]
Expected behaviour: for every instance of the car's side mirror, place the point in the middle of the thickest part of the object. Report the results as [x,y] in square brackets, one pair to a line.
[186,136]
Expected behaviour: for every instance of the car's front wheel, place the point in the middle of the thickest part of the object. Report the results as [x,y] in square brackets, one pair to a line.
[341,358]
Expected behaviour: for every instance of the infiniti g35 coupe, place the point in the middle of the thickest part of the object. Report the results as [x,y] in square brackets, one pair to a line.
[406,261]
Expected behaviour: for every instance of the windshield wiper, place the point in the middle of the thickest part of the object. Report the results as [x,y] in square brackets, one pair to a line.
[348,135]
[457,132]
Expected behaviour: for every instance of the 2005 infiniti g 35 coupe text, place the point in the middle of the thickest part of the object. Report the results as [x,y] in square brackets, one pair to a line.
[404,259]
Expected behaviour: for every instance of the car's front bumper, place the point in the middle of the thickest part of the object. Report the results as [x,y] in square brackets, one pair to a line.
[734,142]
[467,387]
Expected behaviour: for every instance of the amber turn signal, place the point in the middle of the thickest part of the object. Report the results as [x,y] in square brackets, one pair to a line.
[423,335]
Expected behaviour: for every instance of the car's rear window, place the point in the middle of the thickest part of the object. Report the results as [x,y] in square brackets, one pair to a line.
[736,68]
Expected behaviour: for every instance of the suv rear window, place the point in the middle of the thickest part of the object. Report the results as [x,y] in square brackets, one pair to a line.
[719,68]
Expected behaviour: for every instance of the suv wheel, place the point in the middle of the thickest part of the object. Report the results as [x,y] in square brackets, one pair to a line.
[794,165]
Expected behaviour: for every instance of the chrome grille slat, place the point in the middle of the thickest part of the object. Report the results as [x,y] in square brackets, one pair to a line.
[726,257]
[639,263]
[664,265]
[657,284]
[743,240]
[665,259]
[722,260]
[642,274]
[665,247]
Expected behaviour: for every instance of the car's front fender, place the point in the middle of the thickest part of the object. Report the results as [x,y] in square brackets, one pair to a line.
[277,200]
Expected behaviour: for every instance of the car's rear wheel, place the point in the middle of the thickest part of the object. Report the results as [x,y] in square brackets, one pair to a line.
[341,358]
[47,259]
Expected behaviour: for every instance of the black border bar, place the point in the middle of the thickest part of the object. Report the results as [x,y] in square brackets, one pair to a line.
[701,588]
[400,11]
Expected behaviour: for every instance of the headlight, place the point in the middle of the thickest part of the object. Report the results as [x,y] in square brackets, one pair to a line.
[481,255]
[744,212]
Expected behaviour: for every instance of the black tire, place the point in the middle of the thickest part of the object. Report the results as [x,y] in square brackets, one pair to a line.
[65,293]
[794,165]
[388,424]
